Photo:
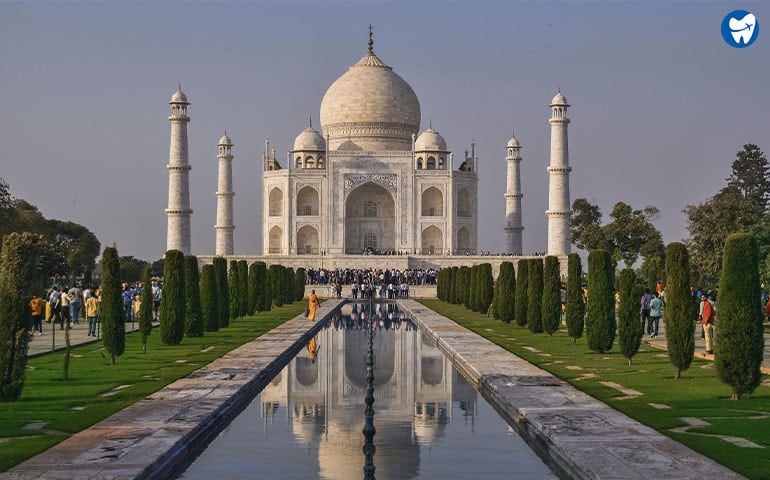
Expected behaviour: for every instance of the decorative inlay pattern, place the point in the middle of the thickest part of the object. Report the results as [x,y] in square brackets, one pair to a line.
[387,180]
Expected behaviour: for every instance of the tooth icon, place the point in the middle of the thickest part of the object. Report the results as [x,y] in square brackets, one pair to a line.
[743,29]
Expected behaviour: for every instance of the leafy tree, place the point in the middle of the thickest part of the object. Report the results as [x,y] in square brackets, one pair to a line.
[485,292]
[18,283]
[7,210]
[157,267]
[630,328]
[145,310]
[299,284]
[680,328]
[223,291]
[601,301]
[233,285]
[751,176]
[522,288]
[505,293]
[111,313]
[740,334]
[131,268]
[535,296]
[172,307]
[576,307]
[551,301]
[209,299]
[652,271]
[193,325]
[585,225]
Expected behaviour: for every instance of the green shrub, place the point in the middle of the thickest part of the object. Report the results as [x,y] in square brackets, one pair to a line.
[111,312]
[243,288]
[300,278]
[193,325]
[505,293]
[453,274]
[223,291]
[145,310]
[233,289]
[601,301]
[275,277]
[551,302]
[739,342]
[535,296]
[485,291]
[680,328]
[209,299]
[263,294]
[630,326]
[172,307]
[576,307]
[522,288]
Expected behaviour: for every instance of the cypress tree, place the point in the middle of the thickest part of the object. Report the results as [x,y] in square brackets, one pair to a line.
[193,325]
[470,296]
[253,292]
[243,288]
[264,296]
[145,310]
[18,283]
[485,287]
[223,291]
[441,285]
[299,284]
[275,280]
[111,311]
[172,307]
[209,299]
[453,285]
[289,285]
[522,287]
[739,331]
[680,328]
[576,307]
[535,296]
[505,293]
[630,328]
[601,301]
[463,274]
[233,288]
[551,303]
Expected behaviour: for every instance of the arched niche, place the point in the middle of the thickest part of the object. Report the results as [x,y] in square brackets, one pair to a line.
[307,240]
[432,241]
[275,203]
[370,213]
[432,203]
[307,202]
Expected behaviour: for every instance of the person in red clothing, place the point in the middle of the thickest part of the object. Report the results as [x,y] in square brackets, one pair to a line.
[36,305]
[707,316]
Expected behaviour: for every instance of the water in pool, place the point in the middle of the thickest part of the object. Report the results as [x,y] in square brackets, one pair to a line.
[307,423]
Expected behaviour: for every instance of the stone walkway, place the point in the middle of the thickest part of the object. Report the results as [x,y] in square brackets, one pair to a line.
[577,433]
[53,337]
[700,345]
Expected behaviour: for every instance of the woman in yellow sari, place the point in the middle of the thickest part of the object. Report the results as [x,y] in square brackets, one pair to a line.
[312,306]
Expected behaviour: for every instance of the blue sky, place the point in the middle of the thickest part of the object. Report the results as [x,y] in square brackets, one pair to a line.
[660,104]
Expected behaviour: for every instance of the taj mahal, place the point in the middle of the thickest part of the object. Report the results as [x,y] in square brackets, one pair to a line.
[369,182]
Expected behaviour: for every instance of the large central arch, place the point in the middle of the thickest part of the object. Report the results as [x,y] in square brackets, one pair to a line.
[370,219]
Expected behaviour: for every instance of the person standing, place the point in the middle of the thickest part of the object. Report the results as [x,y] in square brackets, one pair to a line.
[92,314]
[156,293]
[128,302]
[36,306]
[312,306]
[75,295]
[54,301]
[65,308]
[645,309]
[655,307]
[707,316]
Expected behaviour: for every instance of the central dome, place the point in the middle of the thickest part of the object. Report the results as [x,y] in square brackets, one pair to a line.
[370,108]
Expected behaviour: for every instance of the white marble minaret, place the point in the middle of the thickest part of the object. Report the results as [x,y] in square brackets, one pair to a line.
[558,212]
[178,211]
[224,226]
[513,227]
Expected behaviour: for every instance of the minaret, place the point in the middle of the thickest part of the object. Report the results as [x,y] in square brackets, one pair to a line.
[558,212]
[224,226]
[513,227]
[178,211]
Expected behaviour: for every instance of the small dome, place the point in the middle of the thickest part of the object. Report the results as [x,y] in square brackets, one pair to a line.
[430,140]
[514,143]
[179,97]
[309,139]
[225,140]
[559,99]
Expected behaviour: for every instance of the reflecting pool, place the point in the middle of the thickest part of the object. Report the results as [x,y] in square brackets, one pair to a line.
[307,423]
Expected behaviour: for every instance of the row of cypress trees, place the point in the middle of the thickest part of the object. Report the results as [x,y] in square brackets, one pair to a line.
[531,296]
[469,286]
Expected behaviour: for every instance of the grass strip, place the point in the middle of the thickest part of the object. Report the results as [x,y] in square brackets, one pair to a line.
[663,403]
[50,409]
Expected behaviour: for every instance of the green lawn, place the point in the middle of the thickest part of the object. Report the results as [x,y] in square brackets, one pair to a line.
[51,409]
[663,402]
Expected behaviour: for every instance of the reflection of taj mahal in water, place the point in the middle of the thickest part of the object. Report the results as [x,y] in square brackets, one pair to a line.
[416,390]
[369,181]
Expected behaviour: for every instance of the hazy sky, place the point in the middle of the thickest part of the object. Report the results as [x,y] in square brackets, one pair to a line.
[660,103]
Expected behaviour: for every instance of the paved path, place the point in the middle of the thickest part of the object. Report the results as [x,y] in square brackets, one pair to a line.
[700,345]
[53,337]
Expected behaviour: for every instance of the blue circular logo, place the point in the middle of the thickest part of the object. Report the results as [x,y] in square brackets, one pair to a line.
[740,28]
